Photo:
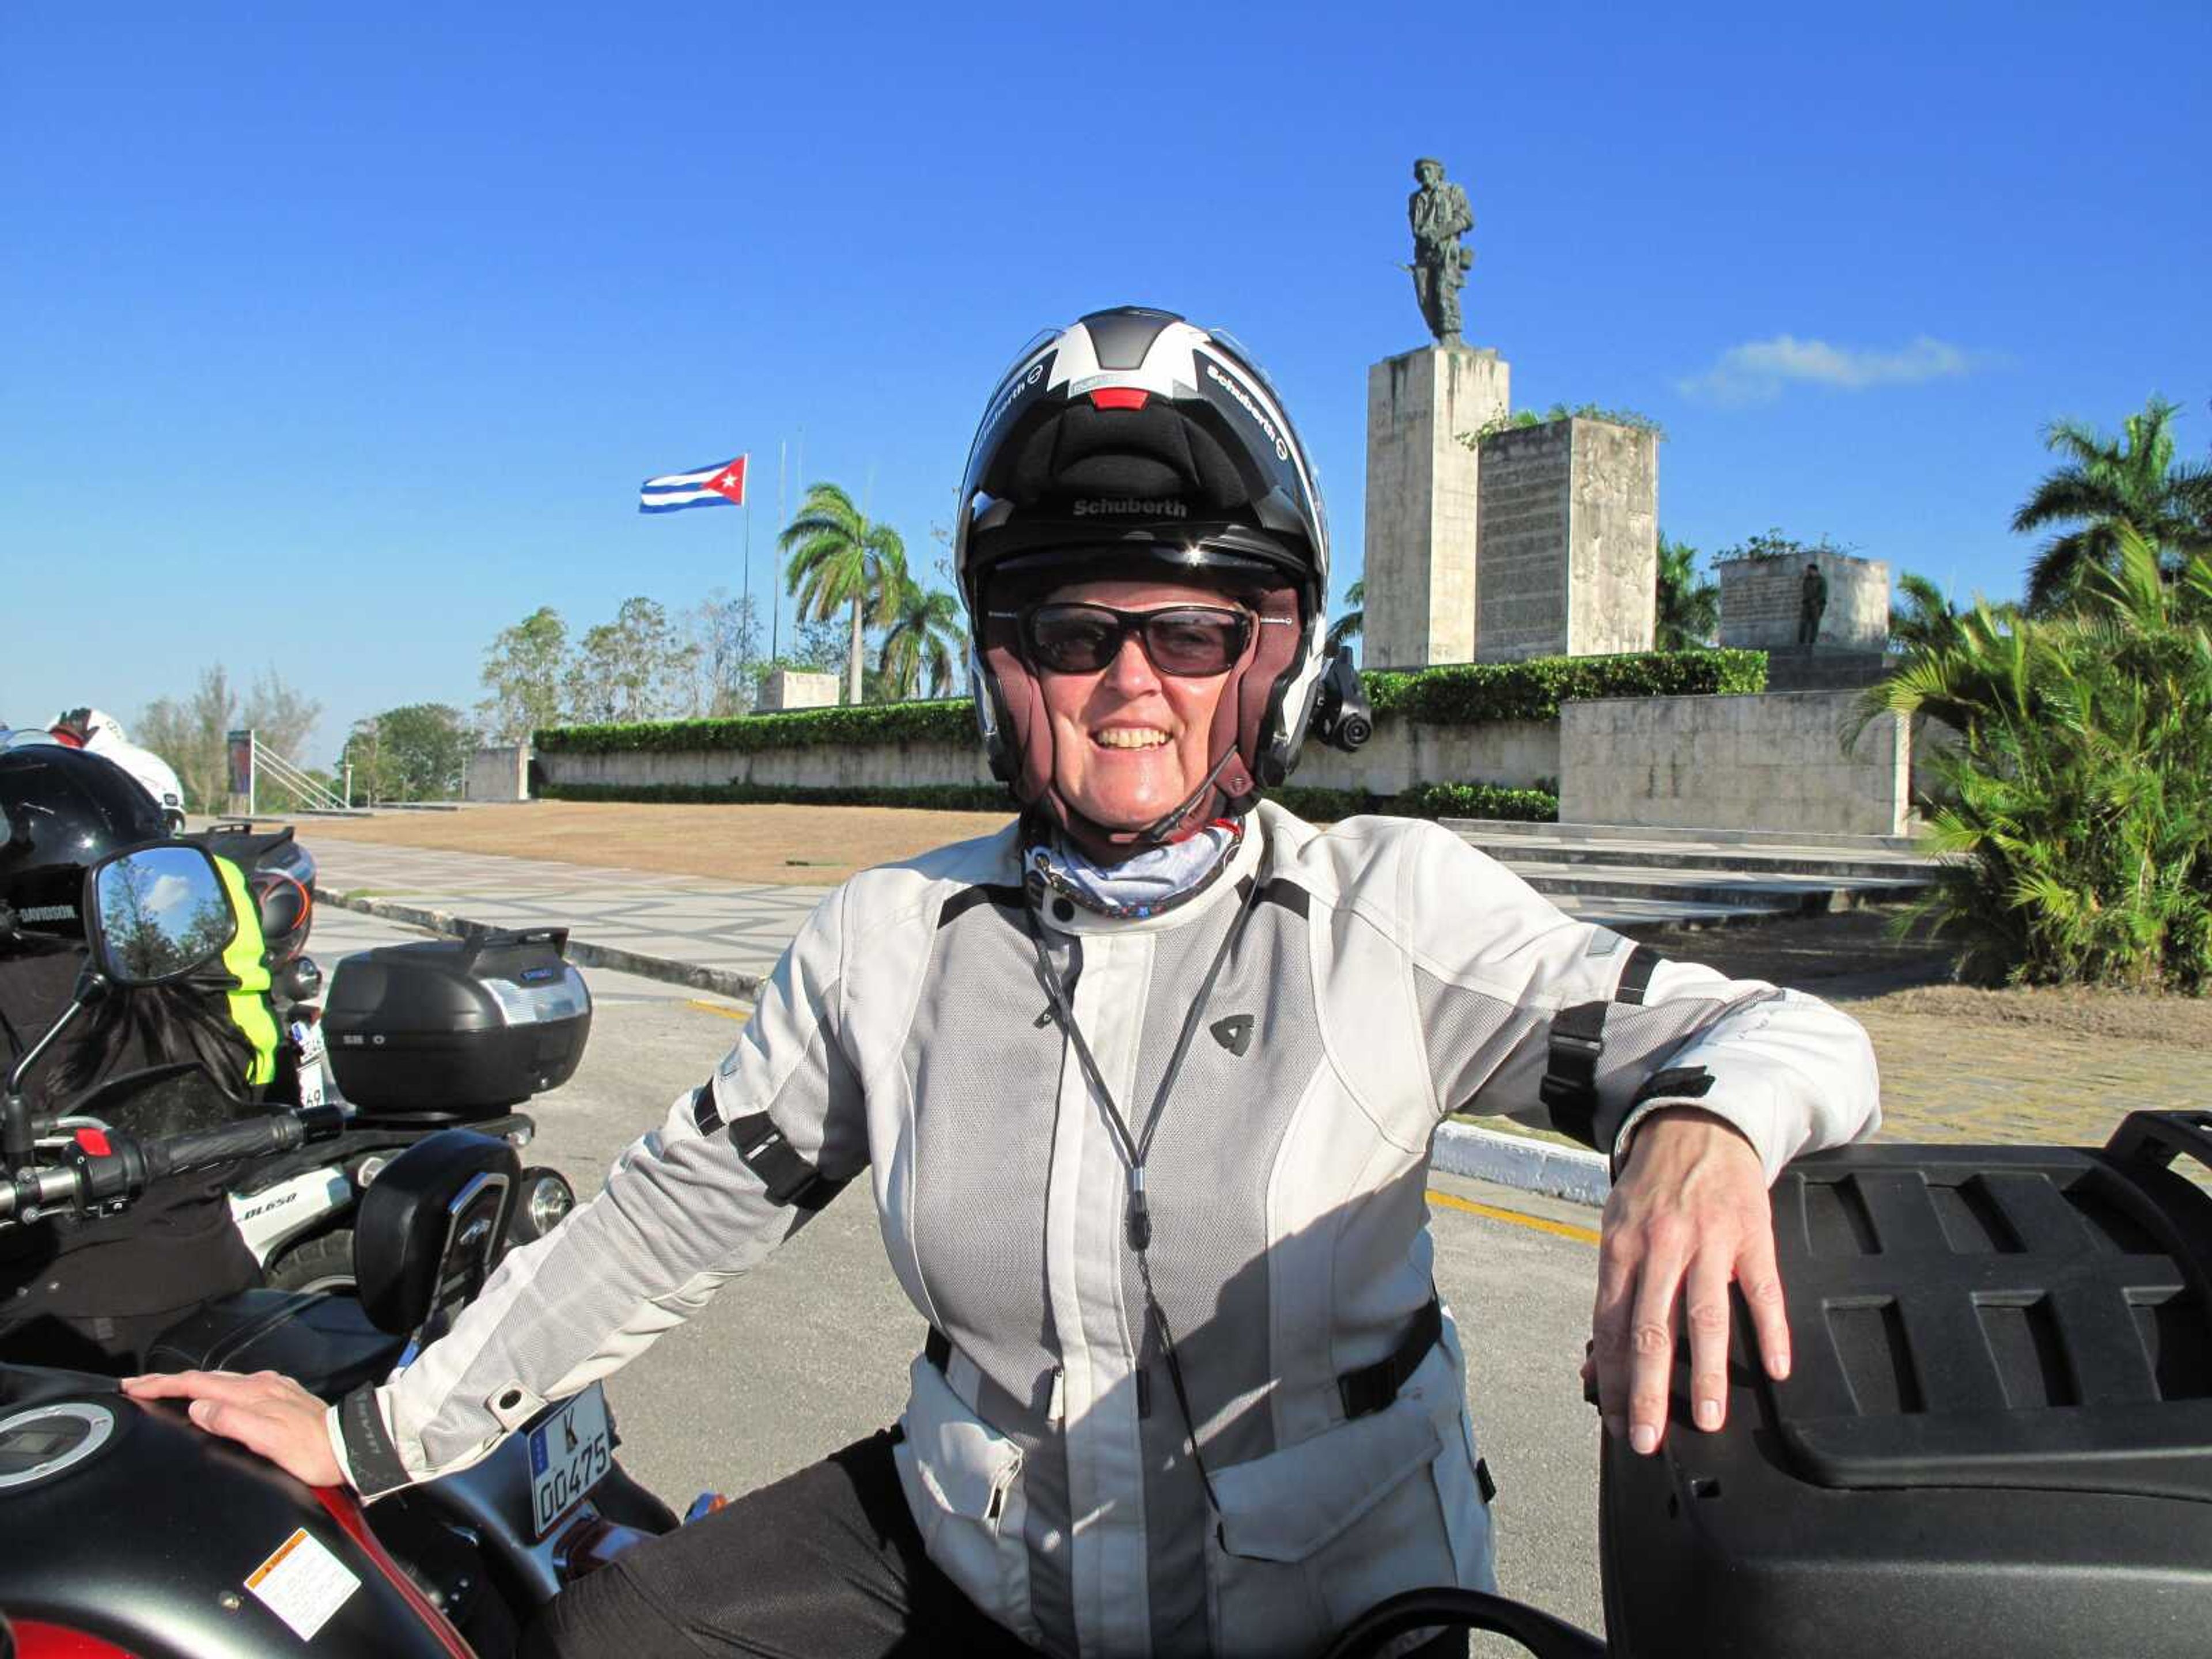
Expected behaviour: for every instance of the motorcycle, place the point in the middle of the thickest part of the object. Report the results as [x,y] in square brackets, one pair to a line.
[132,1534]
[436,1003]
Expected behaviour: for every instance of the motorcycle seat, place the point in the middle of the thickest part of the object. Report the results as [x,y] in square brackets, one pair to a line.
[326,1342]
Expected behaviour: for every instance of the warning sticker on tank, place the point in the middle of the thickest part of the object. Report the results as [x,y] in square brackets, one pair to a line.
[302,1584]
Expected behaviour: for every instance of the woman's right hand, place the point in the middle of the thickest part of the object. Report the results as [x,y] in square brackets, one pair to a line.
[266,1411]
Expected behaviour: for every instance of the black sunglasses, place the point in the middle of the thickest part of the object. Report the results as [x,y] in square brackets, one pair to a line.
[1191,641]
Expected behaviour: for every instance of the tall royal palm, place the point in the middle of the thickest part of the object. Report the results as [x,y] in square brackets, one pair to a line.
[838,561]
[2106,486]
[1688,612]
[921,637]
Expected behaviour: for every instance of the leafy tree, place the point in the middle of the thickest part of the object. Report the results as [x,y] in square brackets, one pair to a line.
[2105,486]
[1353,623]
[838,560]
[724,635]
[922,636]
[192,733]
[2078,825]
[1773,543]
[634,668]
[419,751]
[1689,608]
[522,670]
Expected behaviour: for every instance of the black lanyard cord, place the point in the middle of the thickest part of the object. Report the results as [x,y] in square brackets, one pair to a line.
[1137,1217]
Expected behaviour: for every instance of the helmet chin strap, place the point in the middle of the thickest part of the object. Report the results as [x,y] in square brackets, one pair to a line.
[1127,842]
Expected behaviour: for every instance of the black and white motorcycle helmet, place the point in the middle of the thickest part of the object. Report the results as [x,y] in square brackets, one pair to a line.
[1133,441]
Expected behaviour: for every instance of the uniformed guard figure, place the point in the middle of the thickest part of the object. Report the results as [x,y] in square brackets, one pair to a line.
[1812,603]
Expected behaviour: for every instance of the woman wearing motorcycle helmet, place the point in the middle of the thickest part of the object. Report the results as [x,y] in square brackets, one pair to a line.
[1144,1084]
[92,1294]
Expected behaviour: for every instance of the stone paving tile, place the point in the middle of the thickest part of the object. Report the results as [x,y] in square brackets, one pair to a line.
[734,926]
[1942,1079]
[1947,1082]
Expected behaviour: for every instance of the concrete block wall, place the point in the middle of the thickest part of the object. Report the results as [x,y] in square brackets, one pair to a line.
[1422,489]
[1759,599]
[854,766]
[1773,762]
[1516,753]
[795,688]
[498,774]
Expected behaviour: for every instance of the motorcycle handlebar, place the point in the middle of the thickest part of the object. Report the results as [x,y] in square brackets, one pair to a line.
[257,1137]
[129,1165]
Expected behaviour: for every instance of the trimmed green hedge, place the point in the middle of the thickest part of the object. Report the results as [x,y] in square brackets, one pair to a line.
[1428,800]
[1469,694]
[934,797]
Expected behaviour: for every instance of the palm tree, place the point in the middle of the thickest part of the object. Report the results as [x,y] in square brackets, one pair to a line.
[839,559]
[1924,619]
[2105,486]
[1689,609]
[1349,627]
[922,637]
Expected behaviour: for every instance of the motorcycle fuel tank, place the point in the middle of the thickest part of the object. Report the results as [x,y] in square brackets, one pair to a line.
[126,1523]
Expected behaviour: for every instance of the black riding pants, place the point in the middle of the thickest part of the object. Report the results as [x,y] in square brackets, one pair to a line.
[826,1564]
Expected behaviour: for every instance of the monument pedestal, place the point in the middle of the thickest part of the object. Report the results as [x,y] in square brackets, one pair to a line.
[1423,488]
[1569,513]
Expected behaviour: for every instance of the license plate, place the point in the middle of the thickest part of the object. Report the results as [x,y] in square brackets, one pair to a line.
[569,1449]
[308,1035]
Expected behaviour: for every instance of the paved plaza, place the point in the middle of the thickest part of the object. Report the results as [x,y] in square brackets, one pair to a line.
[1956,1065]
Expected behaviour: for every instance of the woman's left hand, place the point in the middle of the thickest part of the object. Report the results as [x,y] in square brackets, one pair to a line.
[1689,1214]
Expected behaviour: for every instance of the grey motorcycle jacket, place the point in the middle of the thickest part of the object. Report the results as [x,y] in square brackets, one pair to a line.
[1386,975]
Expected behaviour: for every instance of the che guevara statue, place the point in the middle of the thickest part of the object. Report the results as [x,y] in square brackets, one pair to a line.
[1439,216]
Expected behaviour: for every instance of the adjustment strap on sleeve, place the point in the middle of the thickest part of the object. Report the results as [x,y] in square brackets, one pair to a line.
[789,1178]
[1569,1090]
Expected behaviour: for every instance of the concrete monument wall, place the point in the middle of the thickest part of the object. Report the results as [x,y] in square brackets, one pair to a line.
[1772,762]
[500,773]
[1569,548]
[1612,548]
[1422,486]
[848,766]
[794,688]
[1516,753]
[1759,599]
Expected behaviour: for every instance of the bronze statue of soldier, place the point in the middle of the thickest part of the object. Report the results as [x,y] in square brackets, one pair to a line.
[1439,216]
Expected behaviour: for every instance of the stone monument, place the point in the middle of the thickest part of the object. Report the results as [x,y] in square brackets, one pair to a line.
[1568,518]
[1422,482]
[1763,602]
[794,687]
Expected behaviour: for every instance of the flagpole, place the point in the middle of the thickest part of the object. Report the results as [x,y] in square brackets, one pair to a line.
[775,587]
[745,612]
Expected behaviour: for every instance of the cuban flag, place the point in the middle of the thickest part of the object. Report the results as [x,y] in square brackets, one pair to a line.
[708,486]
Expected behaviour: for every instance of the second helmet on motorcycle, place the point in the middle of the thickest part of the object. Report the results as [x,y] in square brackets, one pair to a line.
[65,810]
[1132,443]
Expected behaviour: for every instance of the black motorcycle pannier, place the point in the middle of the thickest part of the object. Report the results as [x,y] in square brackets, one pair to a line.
[449,1031]
[1997,1434]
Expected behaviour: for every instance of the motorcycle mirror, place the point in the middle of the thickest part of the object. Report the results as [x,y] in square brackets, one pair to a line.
[155,913]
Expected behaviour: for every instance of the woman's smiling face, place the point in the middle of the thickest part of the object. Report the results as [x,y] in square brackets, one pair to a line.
[1129,742]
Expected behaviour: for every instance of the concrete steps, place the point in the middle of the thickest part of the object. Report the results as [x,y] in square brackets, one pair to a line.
[1820,668]
[1632,876]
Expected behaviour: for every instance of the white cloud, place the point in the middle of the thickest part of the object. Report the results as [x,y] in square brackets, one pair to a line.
[1757,371]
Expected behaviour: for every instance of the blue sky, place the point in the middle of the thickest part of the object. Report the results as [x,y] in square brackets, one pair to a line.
[334,340]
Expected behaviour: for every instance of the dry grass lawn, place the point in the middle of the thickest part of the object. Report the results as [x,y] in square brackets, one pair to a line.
[798,845]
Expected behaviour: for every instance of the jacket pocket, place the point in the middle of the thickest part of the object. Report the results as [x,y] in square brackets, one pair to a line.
[1289,1545]
[962,1482]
